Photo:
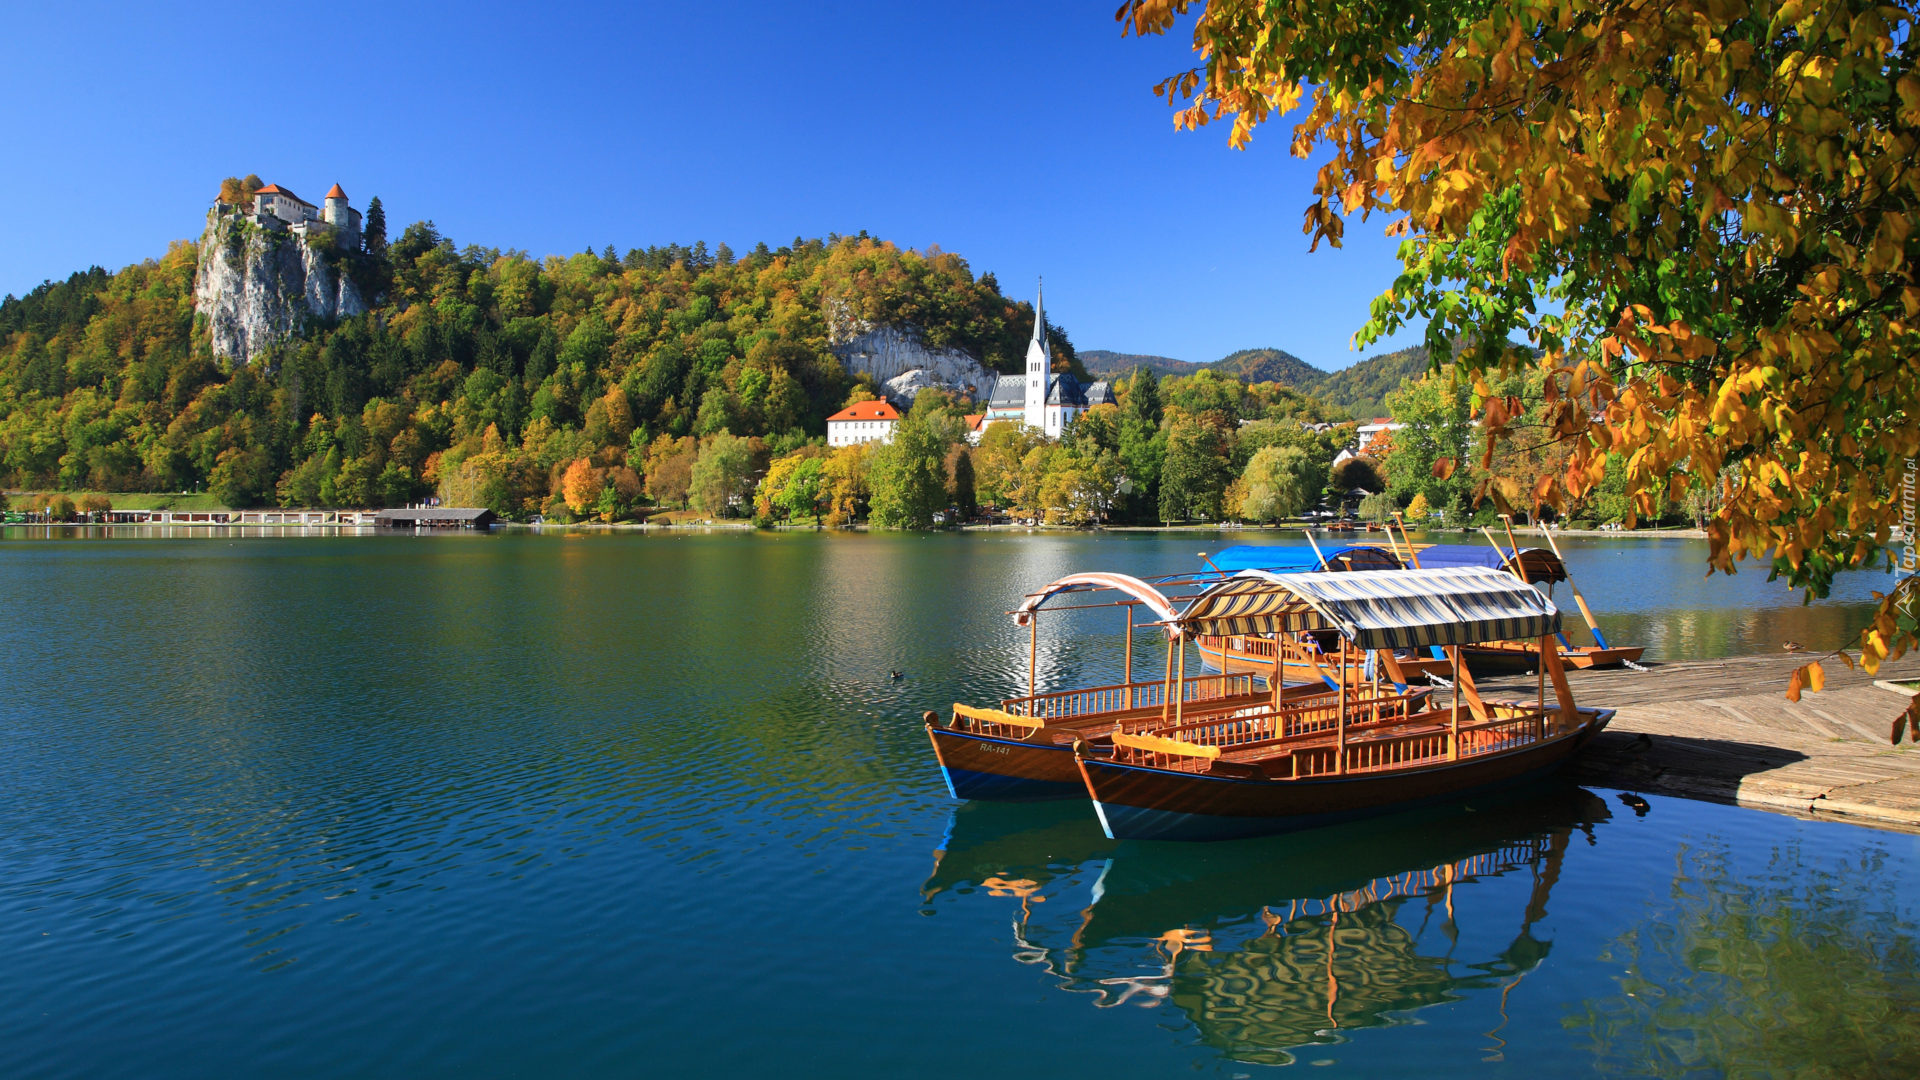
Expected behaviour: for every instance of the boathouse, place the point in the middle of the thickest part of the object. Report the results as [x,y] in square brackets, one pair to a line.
[436,517]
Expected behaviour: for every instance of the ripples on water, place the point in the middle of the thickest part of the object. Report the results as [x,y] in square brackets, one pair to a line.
[601,805]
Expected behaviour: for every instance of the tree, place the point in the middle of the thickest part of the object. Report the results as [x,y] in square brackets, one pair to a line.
[721,475]
[581,484]
[1194,479]
[670,469]
[1378,507]
[373,229]
[1701,213]
[1427,453]
[1143,445]
[960,487]
[844,478]
[1417,510]
[1275,484]
[908,477]
[1357,472]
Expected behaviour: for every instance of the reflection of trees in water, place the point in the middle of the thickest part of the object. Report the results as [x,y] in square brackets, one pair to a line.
[1805,970]
[1306,972]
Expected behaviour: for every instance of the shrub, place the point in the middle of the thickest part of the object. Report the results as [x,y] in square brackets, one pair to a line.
[95,503]
[60,508]
[1580,524]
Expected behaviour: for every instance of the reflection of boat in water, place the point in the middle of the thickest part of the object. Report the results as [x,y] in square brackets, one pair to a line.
[1293,941]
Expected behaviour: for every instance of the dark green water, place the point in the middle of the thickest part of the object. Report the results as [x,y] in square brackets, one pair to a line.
[610,806]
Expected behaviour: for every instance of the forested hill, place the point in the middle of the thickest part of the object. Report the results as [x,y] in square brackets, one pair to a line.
[1103,364]
[108,383]
[1360,388]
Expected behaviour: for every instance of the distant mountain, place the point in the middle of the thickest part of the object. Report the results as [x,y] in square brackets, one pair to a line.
[1271,365]
[1360,388]
[1102,364]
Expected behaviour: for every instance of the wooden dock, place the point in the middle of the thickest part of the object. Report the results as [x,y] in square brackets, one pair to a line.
[1724,730]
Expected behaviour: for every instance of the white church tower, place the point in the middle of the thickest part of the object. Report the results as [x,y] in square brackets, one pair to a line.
[1039,367]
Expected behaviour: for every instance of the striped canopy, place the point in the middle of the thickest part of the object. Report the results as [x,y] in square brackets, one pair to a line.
[1384,609]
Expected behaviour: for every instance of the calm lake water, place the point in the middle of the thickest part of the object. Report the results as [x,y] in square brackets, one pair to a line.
[599,805]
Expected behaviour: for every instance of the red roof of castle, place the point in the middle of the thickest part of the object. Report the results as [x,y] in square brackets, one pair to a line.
[276,189]
[334,192]
[975,421]
[866,410]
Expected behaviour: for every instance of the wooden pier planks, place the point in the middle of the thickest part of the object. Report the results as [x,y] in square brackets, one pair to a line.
[1724,730]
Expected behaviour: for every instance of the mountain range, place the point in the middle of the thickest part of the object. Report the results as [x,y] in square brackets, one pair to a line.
[1360,388]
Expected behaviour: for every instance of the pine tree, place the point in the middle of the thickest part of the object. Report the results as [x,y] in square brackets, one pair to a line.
[373,233]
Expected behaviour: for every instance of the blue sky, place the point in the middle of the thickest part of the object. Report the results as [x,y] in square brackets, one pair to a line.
[1022,136]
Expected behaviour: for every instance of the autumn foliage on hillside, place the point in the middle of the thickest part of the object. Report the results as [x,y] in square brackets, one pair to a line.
[487,377]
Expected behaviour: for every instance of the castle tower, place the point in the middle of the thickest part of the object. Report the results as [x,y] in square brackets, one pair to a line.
[1039,367]
[337,213]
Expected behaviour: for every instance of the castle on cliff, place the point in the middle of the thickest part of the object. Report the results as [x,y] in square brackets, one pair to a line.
[275,207]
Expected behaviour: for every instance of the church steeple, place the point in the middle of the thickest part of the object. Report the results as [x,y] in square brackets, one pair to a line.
[1039,365]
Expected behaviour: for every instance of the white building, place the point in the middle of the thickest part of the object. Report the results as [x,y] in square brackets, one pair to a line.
[868,421]
[1372,439]
[276,206]
[1039,399]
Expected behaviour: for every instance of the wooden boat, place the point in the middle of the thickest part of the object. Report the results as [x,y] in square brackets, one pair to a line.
[1022,749]
[1353,753]
[1535,566]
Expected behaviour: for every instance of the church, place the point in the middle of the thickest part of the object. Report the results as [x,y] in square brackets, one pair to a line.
[1040,399]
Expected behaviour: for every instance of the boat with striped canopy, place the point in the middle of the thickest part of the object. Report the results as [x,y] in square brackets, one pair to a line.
[1303,657]
[1022,747]
[1339,757]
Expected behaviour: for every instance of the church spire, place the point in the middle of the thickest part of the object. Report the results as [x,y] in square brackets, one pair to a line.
[1040,317]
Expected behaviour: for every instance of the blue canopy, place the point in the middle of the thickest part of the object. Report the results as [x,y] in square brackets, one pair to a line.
[1538,564]
[1293,559]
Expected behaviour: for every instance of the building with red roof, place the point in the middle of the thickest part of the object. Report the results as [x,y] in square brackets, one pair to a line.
[862,422]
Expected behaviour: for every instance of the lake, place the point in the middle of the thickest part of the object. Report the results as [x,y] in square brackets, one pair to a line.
[607,805]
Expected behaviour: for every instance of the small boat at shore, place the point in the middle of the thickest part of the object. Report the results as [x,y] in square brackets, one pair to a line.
[1535,566]
[1351,753]
[1022,748]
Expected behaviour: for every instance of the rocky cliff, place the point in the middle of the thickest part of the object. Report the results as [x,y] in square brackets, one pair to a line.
[259,285]
[901,363]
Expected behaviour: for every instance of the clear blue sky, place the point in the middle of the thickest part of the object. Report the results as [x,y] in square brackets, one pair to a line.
[1021,135]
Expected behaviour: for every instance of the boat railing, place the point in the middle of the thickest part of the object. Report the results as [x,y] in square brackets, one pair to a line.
[1381,733]
[1062,704]
[1198,740]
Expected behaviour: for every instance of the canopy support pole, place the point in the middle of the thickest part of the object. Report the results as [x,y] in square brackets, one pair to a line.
[1540,692]
[1592,624]
[1340,750]
[1453,738]
[1033,655]
[1166,688]
[1128,678]
[1179,703]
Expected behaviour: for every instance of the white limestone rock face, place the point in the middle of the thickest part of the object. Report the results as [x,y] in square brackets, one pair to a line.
[259,286]
[900,362]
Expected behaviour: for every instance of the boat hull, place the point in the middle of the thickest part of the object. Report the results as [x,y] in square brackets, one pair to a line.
[988,767]
[1138,803]
[1525,656]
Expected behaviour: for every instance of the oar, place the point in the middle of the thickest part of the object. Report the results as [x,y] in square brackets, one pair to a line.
[1316,548]
[1519,569]
[1412,555]
[1577,598]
